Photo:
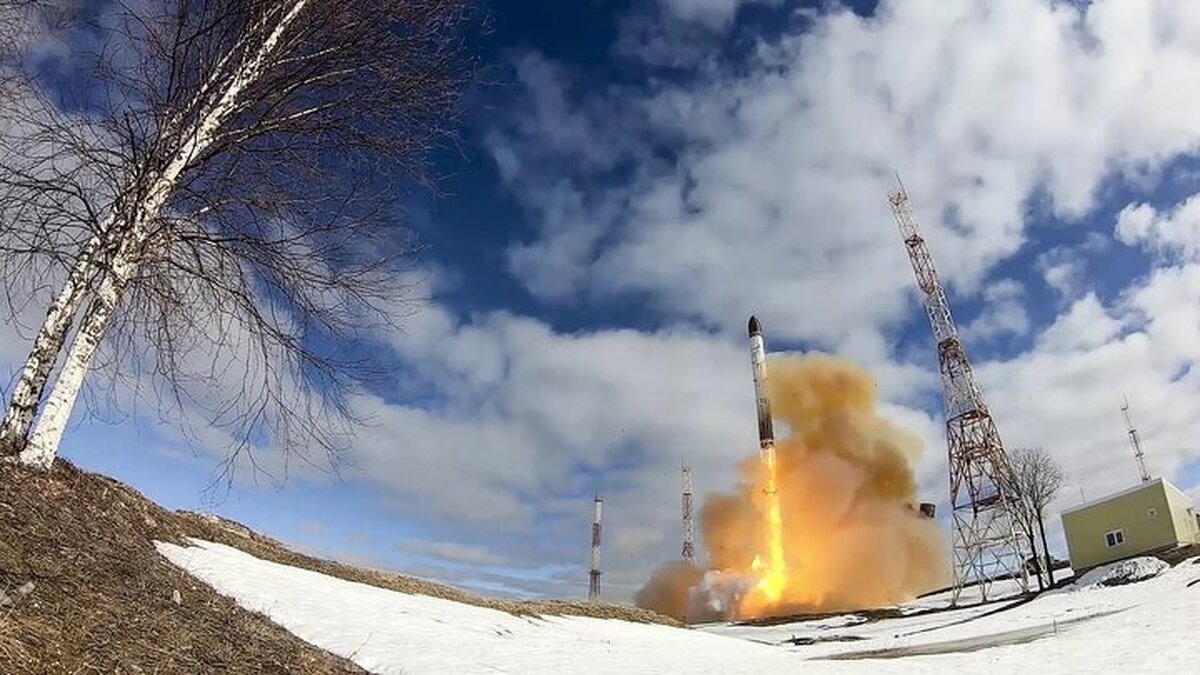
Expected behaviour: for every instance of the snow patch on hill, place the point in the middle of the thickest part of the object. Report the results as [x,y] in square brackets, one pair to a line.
[1070,630]
[389,632]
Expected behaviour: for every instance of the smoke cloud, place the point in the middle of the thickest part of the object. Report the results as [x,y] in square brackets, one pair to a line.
[853,538]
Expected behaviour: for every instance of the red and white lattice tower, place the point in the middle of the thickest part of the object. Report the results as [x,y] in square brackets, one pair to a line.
[689,528]
[594,574]
[983,504]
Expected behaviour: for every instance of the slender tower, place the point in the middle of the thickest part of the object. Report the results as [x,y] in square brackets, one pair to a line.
[594,574]
[983,505]
[689,530]
[1136,442]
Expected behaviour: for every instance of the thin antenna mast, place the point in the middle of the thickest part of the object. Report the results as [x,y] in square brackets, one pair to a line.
[1135,441]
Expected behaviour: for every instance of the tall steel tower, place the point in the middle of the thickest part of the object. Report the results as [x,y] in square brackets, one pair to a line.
[689,528]
[1136,442]
[983,503]
[594,574]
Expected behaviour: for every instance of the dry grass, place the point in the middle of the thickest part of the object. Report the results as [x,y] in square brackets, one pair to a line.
[102,600]
[240,537]
[12,648]
[103,595]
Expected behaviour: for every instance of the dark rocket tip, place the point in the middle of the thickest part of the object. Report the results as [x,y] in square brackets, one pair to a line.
[755,328]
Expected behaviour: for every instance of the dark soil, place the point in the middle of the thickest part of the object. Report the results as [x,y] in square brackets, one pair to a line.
[870,615]
[103,599]
[867,615]
[812,640]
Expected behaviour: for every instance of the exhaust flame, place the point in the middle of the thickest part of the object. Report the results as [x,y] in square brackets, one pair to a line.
[825,521]
[772,575]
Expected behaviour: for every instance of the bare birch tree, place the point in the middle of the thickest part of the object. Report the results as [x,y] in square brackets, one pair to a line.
[15,17]
[1038,480]
[249,155]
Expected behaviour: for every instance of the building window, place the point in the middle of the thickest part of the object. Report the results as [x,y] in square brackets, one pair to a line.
[1114,538]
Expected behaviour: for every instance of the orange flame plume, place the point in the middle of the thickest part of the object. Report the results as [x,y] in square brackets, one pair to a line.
[823,521]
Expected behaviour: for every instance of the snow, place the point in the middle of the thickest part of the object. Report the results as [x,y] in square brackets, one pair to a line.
[389,632]
[1082,628]
[1124,572]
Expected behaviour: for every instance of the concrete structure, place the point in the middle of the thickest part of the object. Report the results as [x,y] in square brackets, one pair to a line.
[1152,517]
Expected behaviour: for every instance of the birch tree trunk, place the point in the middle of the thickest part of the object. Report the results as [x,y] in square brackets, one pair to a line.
[42,446]
[229,203]
[27,393]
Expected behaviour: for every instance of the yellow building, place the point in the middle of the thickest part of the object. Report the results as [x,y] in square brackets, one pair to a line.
[1149,518]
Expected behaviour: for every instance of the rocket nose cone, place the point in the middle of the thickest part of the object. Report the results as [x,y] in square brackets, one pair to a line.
[754,327]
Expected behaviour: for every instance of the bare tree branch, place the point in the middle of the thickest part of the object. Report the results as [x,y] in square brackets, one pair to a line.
[231,200]
[1038,479]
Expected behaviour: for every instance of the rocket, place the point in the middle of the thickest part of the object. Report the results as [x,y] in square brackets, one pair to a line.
[772,572]
[758,360]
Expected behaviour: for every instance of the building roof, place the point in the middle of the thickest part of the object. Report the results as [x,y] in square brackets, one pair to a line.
[1157,482]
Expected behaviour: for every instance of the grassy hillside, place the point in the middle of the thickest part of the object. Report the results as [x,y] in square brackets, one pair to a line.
[103,600]
[235,534]
[85,590]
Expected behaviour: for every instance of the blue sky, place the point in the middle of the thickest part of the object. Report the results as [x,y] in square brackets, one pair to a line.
[640,176]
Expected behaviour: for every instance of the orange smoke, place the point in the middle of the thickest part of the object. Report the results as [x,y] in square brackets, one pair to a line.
[851,537]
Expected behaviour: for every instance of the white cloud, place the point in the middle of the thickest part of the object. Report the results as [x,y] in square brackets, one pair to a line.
[714,13]
[1175,232]
[521,419]
[1065,394]
[524,423]
[1085,325]
[773,199]
[1064,269]
[550,400]
[773,203]
[454,552]
[1003,313]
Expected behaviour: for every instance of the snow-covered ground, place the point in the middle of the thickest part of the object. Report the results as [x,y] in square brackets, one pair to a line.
[1143,627]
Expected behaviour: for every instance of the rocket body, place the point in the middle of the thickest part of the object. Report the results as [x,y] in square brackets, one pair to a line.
[758,360]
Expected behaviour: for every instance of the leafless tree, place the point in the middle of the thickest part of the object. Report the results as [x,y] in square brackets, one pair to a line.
[1027,521]
[14,15]
[221,209]
[1038,479]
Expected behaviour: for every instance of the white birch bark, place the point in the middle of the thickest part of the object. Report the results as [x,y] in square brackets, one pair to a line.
[46,345]
[49,341]
[43,444]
